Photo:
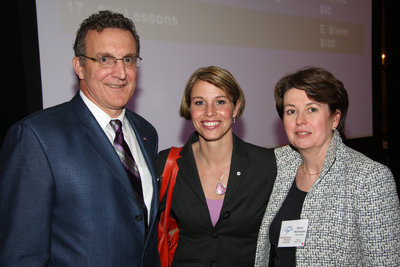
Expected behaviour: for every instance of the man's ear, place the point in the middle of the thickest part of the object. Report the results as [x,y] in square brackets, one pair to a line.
[78,68]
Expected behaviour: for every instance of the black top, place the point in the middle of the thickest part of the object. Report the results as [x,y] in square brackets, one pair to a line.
[290,210]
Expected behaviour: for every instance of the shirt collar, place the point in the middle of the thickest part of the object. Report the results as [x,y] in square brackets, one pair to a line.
[101,117]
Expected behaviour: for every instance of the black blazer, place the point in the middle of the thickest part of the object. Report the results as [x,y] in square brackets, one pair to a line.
[232,242]
[65,197]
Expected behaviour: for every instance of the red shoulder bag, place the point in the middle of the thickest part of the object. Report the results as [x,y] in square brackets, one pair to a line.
[168,230]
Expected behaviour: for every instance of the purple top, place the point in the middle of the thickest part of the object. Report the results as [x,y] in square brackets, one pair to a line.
[214,207]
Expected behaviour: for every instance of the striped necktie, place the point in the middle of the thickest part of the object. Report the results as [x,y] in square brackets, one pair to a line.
[124,153]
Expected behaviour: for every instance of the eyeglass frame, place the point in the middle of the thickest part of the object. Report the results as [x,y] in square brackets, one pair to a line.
[137,60]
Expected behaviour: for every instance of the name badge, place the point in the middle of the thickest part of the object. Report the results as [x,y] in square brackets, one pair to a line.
[293,233]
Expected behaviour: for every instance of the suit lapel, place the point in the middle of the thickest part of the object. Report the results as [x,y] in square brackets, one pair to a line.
[145,148]
[238,170]
[287,164]
[96,137]
[188,169]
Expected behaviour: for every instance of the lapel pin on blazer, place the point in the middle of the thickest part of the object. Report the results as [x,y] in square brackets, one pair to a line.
[144,138]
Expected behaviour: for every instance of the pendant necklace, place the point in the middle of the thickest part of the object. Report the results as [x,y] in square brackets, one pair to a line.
[221,188]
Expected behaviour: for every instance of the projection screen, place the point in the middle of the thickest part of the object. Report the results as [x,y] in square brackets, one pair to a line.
[258,41]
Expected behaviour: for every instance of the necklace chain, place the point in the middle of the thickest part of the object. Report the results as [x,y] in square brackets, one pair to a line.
[303,168]
[205,163]
[221,187]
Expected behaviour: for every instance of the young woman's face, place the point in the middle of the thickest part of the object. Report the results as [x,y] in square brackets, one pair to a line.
[211,111]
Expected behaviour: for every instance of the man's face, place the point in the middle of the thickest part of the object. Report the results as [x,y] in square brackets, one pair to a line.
[109,87]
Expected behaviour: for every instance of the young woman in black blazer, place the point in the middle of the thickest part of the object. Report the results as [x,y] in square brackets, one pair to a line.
[223,184]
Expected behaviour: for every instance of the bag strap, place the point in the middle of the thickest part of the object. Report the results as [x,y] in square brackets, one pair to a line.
[169,177]
[170,171]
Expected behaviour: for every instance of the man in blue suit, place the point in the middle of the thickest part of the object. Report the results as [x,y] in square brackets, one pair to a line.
[66,199]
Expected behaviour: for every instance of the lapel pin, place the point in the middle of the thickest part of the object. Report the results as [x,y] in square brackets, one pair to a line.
[238,173]
[144,138]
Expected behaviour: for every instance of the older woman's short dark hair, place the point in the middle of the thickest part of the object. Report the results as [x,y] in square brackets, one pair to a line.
[320,85]
[103,20]
[218,77]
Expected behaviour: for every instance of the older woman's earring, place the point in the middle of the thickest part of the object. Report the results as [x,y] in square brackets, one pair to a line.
[234,119]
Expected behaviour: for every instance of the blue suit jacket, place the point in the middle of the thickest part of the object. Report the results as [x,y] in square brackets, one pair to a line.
[65,197]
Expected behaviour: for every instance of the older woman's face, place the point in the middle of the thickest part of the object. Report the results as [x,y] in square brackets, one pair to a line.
[308,123]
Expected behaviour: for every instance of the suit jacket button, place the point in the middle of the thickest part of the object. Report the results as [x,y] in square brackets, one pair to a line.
[214,235]
[138,217]
[226,214]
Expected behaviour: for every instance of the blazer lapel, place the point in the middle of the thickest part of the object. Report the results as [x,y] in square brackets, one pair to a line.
[146,150]
[96,137]
[188,169]
[238,170]
[287,165]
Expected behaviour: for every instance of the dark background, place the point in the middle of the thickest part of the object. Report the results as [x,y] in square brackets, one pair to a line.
[22,95]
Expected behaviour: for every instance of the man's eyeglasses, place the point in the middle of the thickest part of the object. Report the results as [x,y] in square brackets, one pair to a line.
[110,61]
